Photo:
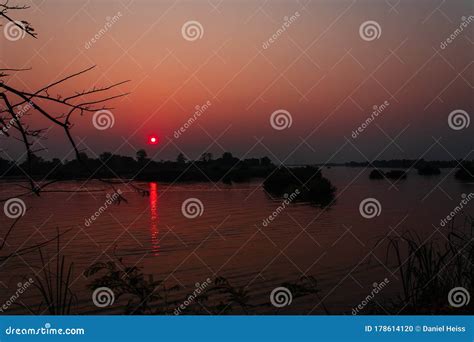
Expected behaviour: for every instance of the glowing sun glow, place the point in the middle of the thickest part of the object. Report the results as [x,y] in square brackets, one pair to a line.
[152,140]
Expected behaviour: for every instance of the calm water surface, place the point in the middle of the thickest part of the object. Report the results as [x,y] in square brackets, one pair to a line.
[335,245]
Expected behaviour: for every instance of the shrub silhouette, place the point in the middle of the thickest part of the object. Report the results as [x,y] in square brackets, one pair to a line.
[376,174]
[313,187]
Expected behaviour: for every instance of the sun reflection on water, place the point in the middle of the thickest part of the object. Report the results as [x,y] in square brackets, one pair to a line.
[155,241]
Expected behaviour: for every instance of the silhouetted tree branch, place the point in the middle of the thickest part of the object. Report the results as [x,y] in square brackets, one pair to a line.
[19,104]
[21,24]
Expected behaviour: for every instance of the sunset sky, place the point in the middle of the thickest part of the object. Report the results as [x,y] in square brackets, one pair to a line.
[320,70]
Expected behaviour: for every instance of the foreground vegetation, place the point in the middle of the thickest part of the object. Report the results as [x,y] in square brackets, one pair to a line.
[430,269]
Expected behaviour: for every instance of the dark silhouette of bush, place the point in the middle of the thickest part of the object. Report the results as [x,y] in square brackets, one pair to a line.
[376,174]
[465,172]
[310,183]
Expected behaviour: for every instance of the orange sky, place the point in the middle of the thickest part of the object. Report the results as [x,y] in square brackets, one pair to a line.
[319,70]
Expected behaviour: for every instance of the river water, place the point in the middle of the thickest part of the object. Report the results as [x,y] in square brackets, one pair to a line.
[228,237]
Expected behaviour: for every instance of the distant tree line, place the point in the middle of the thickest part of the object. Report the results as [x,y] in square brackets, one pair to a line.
[406,163]
[226,168]
[465,169]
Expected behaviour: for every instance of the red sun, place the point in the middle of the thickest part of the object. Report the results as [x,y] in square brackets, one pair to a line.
[152,140]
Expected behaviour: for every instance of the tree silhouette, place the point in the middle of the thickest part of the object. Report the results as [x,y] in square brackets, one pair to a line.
[23,24]
[13,122]
[181,159]
[206,157]
[141,156]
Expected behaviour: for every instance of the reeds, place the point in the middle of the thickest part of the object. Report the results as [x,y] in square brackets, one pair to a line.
[429,269]
[54,284]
